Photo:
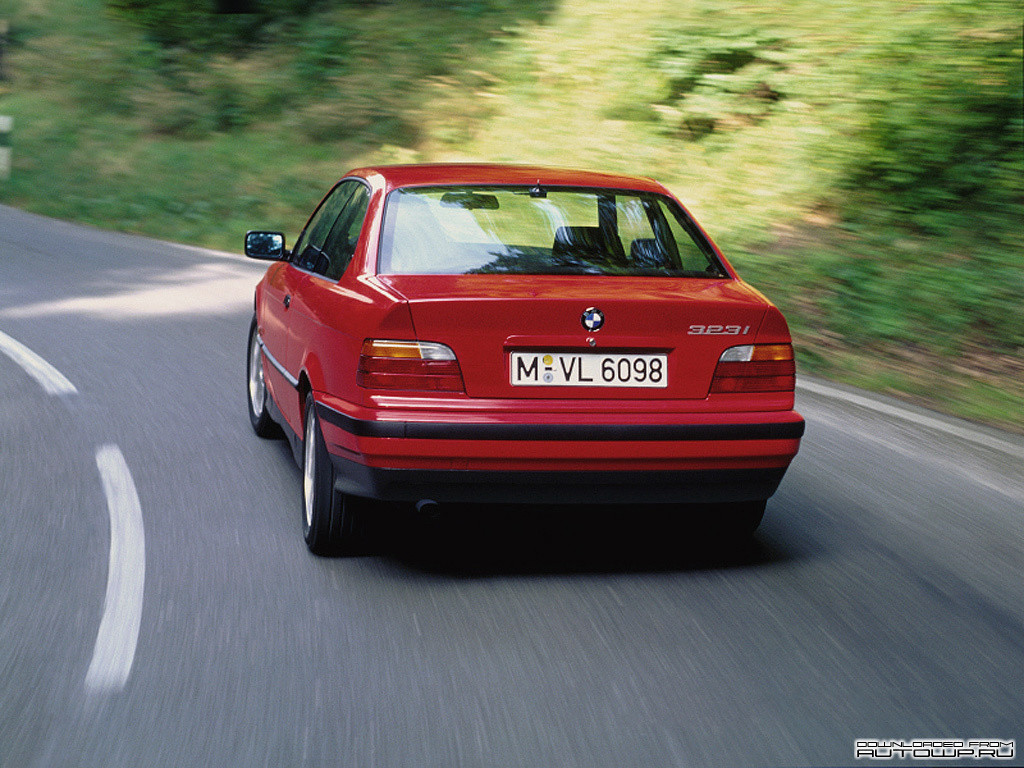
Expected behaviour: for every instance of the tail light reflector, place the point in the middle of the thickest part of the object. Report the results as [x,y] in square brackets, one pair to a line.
[410,365]
[755,368]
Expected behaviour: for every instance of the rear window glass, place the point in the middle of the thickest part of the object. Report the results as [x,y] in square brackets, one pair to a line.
[533,231]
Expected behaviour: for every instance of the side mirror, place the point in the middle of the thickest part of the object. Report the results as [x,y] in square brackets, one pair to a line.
[268,246]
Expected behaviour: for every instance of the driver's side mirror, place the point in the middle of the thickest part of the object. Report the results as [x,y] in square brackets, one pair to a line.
[268,246]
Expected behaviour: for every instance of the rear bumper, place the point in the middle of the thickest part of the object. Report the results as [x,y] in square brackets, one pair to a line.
[555,487]
[718,458]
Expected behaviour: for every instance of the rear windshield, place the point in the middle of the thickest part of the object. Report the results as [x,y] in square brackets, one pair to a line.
[469,230]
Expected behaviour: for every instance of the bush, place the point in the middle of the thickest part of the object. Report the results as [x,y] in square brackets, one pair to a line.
[204,24]
[941,125]
[718,78]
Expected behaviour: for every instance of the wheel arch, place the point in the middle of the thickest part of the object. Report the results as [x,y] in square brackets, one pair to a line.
[311,379]
[302,390]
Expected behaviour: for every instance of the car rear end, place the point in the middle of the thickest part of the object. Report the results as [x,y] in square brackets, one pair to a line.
[568,342]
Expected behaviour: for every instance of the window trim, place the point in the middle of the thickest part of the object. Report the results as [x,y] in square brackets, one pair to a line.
[330,243]
[302,233]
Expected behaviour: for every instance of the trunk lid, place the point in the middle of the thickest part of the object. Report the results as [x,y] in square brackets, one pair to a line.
[487,318]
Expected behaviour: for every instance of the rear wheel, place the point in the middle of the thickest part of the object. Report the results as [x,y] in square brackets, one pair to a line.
[328,517]
[262,424]
[748,516]
[734,520]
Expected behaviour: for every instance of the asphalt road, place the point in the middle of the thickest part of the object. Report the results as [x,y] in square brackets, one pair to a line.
[882,598]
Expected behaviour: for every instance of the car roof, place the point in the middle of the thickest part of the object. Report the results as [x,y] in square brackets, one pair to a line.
[427,174]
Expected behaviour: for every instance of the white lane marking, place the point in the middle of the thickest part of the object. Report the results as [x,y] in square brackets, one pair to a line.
[964,433]
[50,379]
[122,608]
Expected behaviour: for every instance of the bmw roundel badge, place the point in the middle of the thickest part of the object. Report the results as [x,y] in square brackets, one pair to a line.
[593,319]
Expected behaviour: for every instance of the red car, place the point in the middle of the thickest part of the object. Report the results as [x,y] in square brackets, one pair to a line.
[451,333]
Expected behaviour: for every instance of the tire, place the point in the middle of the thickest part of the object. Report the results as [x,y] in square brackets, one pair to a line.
[736,520]
[329,518]
[256,390]
[748,516]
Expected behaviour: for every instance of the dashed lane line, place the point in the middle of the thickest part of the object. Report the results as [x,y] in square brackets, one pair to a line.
[114,651]
[50,379]
[118,634]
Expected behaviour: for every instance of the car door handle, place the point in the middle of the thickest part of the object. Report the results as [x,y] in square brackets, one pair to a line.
[287,301]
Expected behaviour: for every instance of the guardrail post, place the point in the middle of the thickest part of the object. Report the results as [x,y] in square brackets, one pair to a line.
[6,123]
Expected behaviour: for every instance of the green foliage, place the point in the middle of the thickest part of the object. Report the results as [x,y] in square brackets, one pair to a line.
[717,77]
[205,24]
[938,168]
[942,124]
[324,55]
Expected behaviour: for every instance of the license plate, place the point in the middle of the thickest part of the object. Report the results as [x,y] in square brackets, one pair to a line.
[587,369]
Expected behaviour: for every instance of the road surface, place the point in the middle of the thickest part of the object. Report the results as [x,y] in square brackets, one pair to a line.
[158,606]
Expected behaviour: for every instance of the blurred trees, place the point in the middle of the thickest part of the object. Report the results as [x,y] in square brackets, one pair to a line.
[221,24]
[941,160]
[942,128]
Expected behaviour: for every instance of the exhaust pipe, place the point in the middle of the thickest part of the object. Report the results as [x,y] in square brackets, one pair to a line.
[428,508]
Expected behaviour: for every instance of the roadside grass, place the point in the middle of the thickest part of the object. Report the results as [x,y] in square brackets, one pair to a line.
[789,129]
[112,130]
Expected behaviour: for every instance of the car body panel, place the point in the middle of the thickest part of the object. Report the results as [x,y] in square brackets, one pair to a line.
[513,312]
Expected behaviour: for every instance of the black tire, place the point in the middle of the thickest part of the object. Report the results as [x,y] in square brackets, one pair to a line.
[732,521]
[329,518]
[256,390]
[748,516]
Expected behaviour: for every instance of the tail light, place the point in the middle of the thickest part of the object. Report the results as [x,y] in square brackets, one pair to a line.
[415,365]
[755,368]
